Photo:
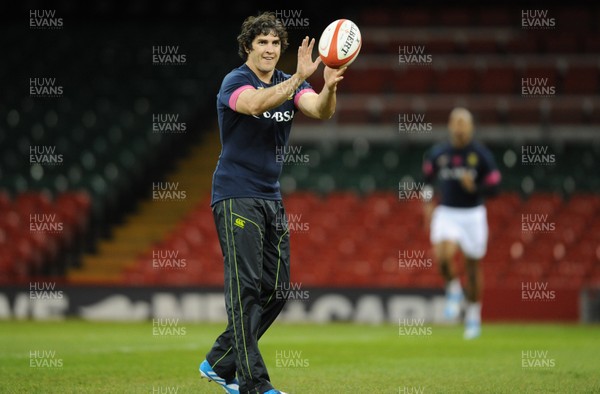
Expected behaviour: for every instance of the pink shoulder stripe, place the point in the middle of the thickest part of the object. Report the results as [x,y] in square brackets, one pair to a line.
[300,93]
[493,178]
[234,96]
[427,168]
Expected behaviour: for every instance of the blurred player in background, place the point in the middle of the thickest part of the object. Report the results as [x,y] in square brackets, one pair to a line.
[256,105]
[464,172]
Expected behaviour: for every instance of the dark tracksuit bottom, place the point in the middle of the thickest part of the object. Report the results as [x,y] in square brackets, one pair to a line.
[254,238]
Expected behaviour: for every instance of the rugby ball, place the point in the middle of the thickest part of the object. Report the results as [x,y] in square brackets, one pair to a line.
[340,43]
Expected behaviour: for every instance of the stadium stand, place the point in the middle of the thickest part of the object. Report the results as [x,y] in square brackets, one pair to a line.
[87,154]
[345,202]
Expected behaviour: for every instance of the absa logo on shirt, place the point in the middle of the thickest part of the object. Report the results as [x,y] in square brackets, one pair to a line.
[278,116]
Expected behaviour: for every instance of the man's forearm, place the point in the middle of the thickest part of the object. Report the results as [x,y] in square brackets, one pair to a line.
[269,98]
[326,102]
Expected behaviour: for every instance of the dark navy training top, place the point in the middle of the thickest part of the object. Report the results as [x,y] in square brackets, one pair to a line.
[248,165]
[446,165]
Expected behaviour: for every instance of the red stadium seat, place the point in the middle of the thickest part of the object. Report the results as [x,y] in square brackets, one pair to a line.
[441,46]
[456,17]
[486,110]
[527,271]
[576,272]
[585,204]
[524,111]
[371,80]
[567,110]
[499,80]
[586,252]
[352,115]
[342,201]
[301,201]
[581,80]
[373,47]
[476,45]
[492,16]
[414,80]
[546,74]
[547,203]
[522,44]
[5,201]
[562,42]
[413,17]
[456,80]
[437,111]
[573,19]
[591,44]
[376,17]
[33,202]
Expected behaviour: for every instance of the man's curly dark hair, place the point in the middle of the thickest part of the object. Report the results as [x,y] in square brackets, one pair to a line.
[265,23]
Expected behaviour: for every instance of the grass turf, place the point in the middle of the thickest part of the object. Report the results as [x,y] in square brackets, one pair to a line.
[83,357]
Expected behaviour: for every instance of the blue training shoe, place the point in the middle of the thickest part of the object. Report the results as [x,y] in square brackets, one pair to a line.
[273,391]
[206,371]
[453,305]
[472,329]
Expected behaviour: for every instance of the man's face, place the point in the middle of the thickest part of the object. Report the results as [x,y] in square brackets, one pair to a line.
[460,125]
[265,53]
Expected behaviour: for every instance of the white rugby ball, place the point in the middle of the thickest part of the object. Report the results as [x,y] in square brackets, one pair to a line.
[340,43]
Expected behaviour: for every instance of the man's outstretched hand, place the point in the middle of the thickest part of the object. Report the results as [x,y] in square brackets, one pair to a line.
[306,66]
[332,76]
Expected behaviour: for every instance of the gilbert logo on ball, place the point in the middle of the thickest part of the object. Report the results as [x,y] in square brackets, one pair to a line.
[340,43]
